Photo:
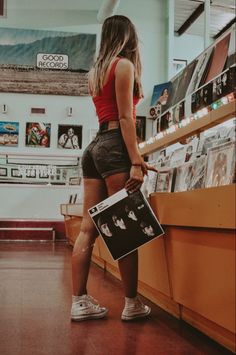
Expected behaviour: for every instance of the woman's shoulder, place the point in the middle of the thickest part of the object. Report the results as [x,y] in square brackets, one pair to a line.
[124,65]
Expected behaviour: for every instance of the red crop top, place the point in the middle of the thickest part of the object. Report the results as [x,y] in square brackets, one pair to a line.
[105,103]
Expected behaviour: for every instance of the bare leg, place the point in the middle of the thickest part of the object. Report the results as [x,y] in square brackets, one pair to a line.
[94,192]
[128,265]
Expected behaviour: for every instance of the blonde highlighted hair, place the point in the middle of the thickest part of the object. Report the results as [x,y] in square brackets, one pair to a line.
[118,39]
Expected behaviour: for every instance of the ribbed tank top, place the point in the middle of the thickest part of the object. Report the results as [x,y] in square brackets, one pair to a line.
[105,103]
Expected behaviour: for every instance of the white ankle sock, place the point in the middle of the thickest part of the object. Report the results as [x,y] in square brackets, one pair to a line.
[130,301]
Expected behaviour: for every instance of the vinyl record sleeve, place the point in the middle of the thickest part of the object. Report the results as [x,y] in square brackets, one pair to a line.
[220,169]
[125,222]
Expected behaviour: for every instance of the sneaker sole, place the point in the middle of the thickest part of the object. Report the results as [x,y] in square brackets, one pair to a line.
[138,316]
[89,316]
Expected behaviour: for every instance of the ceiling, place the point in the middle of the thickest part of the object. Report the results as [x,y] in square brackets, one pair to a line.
[222,11]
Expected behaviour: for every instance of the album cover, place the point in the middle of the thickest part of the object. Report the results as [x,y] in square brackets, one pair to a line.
[201,65]
[125,222]
[231,59]
[178,112]
[202,97]
[160,94]
[218,58]
[178,156]
[149,184]
[190,176]
[184,81]
[165,180]
[220,168]
[165,121]
[224,84]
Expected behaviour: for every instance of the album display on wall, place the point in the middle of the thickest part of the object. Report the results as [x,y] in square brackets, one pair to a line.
[125,222]
[200,85]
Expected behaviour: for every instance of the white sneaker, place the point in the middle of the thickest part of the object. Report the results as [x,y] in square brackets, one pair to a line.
[134,308]
[86,307]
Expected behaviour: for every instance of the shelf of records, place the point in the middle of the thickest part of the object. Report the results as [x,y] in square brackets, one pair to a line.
[40,170]
[190,99]
[206,160]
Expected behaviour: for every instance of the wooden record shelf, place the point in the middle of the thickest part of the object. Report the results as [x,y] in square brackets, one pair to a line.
[211,207]
[213,118]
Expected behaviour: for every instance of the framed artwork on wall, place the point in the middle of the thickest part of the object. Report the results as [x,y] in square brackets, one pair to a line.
[9,134]
[179,64]
[54,62]
[2,8]
[37,134]
[3,171]
[69,137]
[16,173]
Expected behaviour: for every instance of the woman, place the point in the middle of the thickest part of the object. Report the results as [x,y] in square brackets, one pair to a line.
[111,161]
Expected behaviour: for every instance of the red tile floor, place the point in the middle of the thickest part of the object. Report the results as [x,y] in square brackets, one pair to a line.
[35,300]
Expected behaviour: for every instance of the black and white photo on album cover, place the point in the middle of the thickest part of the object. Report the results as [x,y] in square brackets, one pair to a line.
[220,167]
[190,175]
[125,222]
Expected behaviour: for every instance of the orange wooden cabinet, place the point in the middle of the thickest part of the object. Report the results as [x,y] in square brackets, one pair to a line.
[200,253]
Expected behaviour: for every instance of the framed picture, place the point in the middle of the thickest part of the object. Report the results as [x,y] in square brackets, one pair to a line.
[38,134]
[60,59]
[43,174]
[141,128]
[179,64]
[9,134]
[3,171]
[30,173]
[220,168]
[69,137]
[2,8]
[16,173]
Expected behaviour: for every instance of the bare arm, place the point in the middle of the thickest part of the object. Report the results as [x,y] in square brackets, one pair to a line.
[124,84]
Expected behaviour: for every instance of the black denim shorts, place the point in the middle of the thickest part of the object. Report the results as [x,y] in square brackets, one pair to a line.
[105,155]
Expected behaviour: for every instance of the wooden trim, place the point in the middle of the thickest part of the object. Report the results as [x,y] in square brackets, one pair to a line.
[213,330]
[213,118]
[212,207]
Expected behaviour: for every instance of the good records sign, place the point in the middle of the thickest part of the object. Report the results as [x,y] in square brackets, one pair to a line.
[52,61]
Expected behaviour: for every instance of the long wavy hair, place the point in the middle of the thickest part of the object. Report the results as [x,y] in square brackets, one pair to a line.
[118,39]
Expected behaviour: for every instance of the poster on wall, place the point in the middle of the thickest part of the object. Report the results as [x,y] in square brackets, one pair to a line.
[45,62]
[69,137]
[9,134]
[37,134]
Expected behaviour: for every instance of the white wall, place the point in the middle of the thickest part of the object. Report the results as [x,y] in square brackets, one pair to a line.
[35,202]
[149,18]
[188,47]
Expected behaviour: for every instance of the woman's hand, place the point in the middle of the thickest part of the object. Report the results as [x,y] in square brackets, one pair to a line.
[137,173]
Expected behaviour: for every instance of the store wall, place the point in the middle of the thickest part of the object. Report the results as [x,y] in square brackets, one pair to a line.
[188,47]
[149,18]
